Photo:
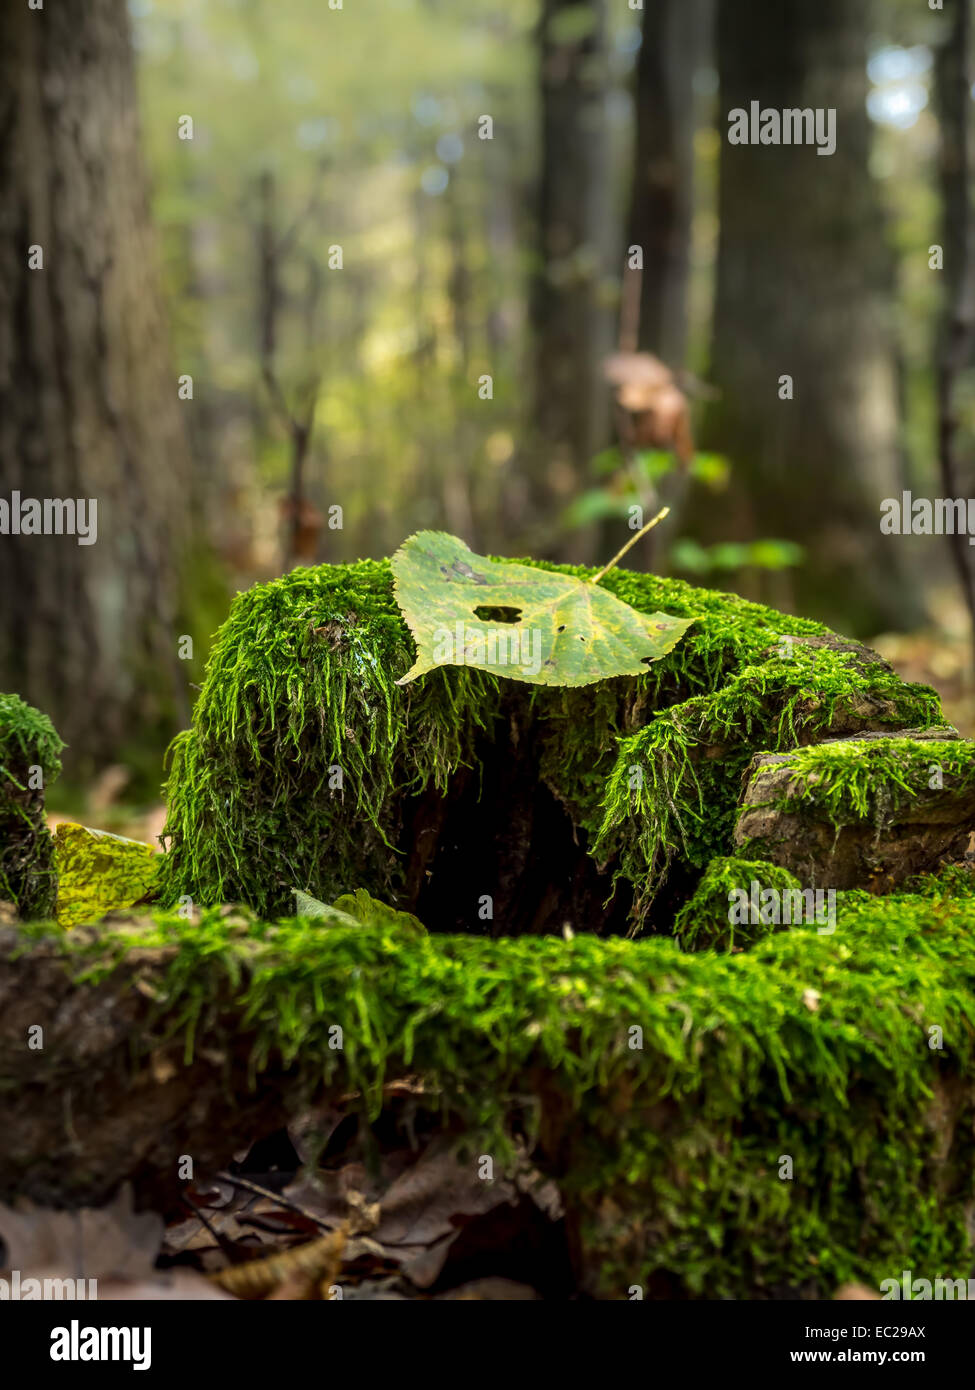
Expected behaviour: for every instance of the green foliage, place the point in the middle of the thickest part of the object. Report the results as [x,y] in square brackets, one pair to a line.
[30,752]
[630,479]
[704,920]
[99,872]
[542,627]
[667,1145]
[692,558]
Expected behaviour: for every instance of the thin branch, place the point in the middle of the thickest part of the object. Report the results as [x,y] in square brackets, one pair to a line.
[664,511]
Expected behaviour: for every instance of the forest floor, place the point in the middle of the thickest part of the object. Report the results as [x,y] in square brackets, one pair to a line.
[423,1227]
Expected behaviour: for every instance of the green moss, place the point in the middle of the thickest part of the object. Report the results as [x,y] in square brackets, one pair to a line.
[874,781]
[675,785]
[951,881]
[705,920]
[302,740]
[668,1141]
[29,758]
[301,682]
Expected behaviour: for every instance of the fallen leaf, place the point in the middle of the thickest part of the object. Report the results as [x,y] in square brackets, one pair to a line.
[527,624]
[99,873]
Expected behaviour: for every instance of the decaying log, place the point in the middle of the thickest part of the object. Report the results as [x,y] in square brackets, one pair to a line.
[103,1099]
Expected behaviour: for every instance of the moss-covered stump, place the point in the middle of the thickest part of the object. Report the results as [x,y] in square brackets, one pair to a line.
[672,797]
[865,811]
[764,1124]
[29,759]
[308,768]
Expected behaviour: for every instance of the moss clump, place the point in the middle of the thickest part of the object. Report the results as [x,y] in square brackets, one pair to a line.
[707,920]
[29,758]
[662,1089]
[303,745]
[676,783]
[304,750]
[876,781]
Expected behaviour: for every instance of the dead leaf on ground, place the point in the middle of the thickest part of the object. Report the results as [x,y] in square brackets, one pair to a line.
[659,410]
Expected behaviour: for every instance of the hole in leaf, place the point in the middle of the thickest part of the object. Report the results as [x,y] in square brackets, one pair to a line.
[497,615]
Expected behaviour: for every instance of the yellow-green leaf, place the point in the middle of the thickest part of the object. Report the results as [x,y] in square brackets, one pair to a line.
[528,624]
[99,873]
[356,909]
[369,910]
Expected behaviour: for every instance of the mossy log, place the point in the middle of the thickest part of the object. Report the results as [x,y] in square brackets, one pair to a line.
[862,812]
[29,759]
[772,1123]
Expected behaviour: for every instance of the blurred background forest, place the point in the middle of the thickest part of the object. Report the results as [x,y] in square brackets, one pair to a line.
[318,277]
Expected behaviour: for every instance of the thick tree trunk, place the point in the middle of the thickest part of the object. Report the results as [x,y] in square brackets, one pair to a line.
[674,33]
[804,290]
[954,85]
[88,401]
[571,314]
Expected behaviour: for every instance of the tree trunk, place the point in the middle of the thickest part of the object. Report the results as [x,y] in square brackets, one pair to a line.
[571,314]
[954,85]
[88,401]
[804,290]
[663,163]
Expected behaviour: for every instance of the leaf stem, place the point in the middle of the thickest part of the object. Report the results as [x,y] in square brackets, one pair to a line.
[664,511]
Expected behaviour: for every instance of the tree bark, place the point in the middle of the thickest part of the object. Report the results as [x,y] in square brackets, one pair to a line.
[661,204]
[954,84]
[805,289]
[88,401]
[571,315]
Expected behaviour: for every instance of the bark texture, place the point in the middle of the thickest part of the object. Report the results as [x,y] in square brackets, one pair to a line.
[804,289]
[663,161]
[572,310]
[88,399]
